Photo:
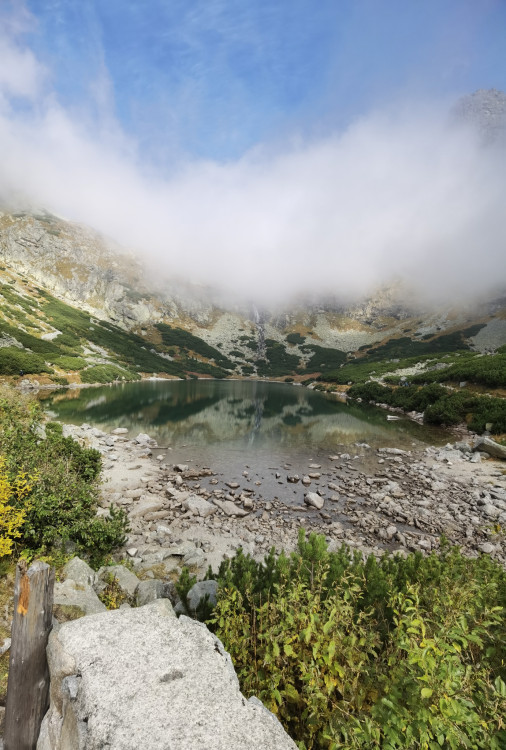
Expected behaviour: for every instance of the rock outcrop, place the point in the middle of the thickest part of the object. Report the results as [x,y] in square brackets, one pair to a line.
[141,678]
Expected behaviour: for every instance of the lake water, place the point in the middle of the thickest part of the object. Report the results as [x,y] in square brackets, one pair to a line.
[244,416]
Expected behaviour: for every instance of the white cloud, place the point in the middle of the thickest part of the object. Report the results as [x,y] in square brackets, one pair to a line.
[396,195]
[20,74]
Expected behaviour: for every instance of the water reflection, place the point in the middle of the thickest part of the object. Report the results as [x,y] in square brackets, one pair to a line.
[250,414]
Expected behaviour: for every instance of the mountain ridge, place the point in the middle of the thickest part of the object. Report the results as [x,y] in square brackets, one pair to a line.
[184,334]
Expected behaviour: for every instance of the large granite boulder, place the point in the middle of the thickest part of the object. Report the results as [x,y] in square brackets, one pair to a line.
[141,678]
[487,445]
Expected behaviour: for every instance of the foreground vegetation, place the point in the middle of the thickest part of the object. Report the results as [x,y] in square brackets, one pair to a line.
[391,654]
[49,488]
[396,653]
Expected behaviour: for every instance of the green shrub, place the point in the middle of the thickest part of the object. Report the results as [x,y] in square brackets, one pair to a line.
[69,341]
[488,370]
[64,498]
[14,360]
[397,653]
[70,363]
[440,406]
[295,338]
[403,352]
[107,374]
[112,595]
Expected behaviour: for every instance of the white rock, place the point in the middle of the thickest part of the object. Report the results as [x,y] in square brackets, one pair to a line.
[198,506]
[314,500]
[229,508]
[487,548]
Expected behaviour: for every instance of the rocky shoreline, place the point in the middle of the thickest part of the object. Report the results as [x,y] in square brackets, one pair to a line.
[371,499]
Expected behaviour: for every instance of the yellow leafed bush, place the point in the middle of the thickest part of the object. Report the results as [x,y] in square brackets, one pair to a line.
[14,506]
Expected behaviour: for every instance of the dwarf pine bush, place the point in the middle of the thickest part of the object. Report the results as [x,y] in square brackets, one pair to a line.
[406,654]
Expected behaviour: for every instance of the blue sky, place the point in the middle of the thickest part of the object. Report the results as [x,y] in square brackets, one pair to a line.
[213,78]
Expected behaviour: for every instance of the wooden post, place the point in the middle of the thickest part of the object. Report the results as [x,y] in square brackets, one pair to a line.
[28,685]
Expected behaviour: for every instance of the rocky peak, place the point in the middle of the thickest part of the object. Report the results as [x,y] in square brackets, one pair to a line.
[485,110]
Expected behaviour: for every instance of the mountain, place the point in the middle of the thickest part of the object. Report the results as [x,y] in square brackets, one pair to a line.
[75,306]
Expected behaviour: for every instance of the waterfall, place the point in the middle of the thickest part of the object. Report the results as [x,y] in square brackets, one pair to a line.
[261,333]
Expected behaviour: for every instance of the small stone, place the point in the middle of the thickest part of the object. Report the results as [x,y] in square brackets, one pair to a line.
[487,548]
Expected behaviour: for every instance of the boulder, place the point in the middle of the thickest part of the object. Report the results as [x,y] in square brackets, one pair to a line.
[143,439]
[314,500]
[141,678]
[73,600]
[229,508]
[487,445]
[148,504]
[199,591]
[127,581]
[80,572]
[148,591]
[198,506]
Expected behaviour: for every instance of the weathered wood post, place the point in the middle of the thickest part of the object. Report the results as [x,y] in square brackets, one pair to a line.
[28,685]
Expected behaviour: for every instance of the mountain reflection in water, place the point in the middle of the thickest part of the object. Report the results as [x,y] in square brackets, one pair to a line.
[247,414]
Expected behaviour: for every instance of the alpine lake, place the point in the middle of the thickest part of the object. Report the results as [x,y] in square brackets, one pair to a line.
[231,426]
